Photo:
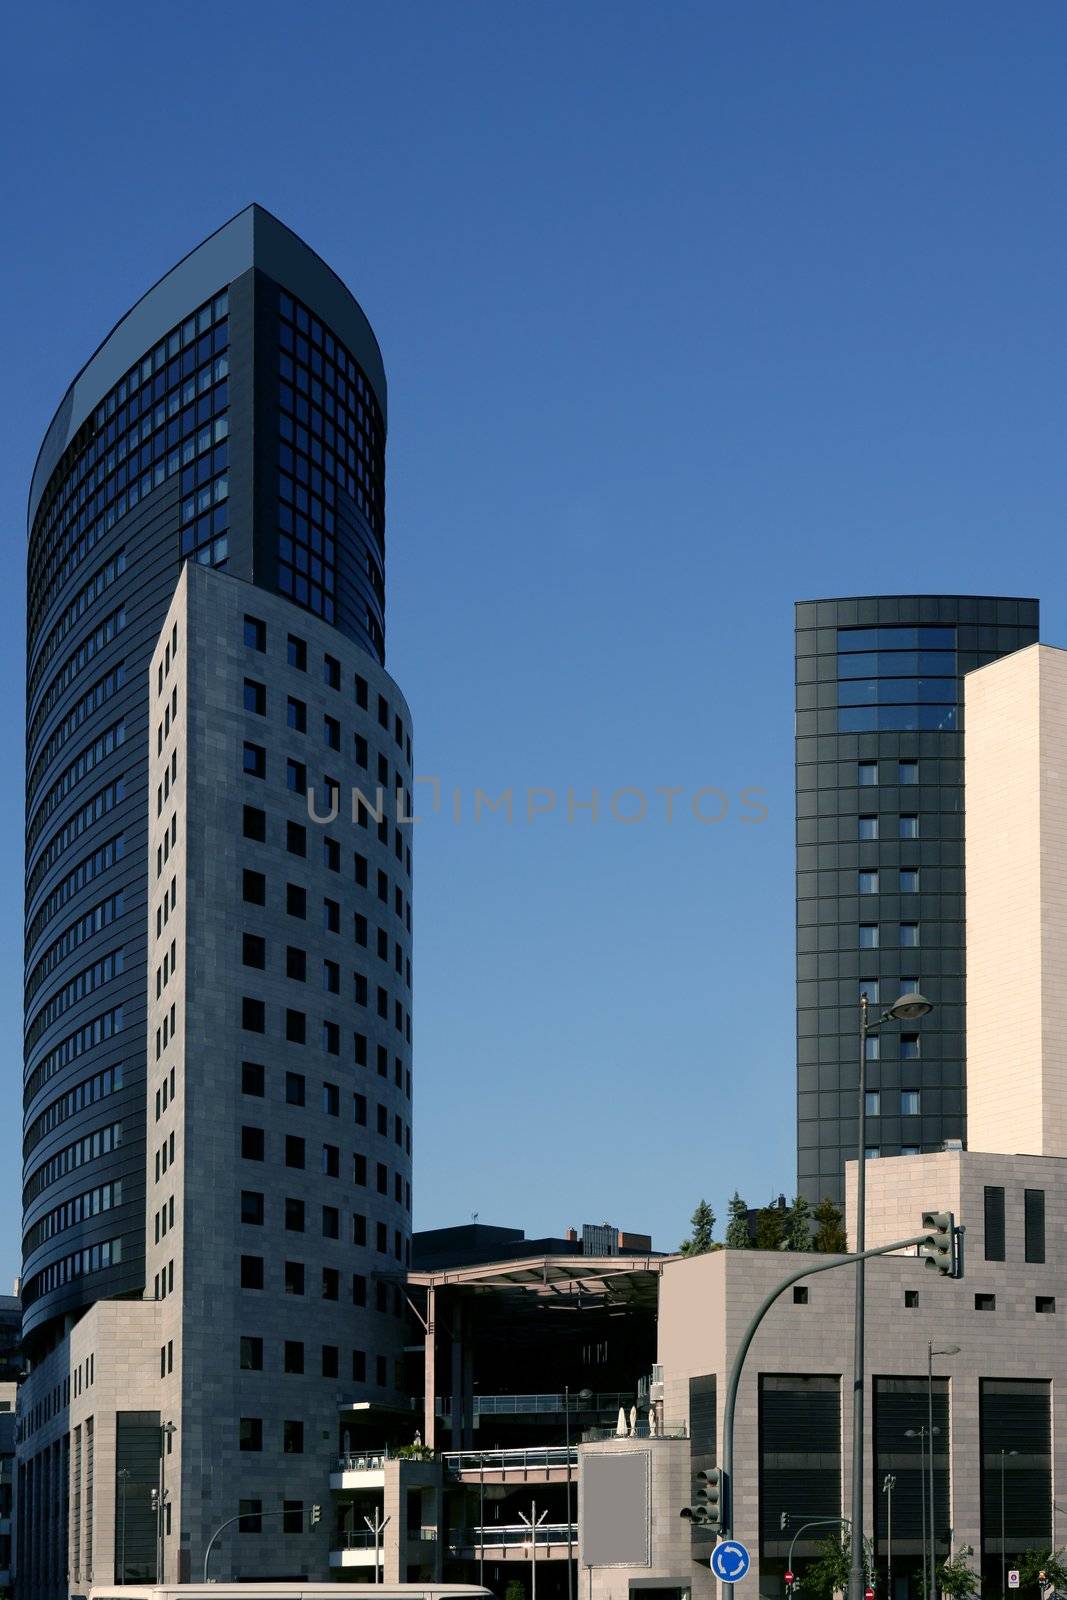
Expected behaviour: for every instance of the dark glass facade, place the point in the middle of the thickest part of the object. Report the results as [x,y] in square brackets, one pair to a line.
[234,417]
[879,782]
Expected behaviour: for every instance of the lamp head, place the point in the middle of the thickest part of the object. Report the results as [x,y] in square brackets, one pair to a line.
[910,1007]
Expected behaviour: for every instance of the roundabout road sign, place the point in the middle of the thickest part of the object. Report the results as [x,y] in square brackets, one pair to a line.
[730,1561]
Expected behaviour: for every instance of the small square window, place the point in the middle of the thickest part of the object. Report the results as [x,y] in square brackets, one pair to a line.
[868,827]
[873,1103]
[869,987]
[296,963]
[252,1077]
[331,1100]
[1045,1304]
[255,824]
[331,733]
[867,774]
[294,1151]
[909,935]
[331,1222]
[252,1208]
[909,1047]
[985,1302]
[253,888]
[329,1361]
[292,1438]
[294,1277]
[909,1102]
[910,1150]
[911,1299]
[331,916]
[868,936]
[294,1215]
[296,715]
[331,1283]
[293,1360]
[251,1272]
[252,1144]
[872,1152]
[907,772]
[296,900]
[909,827]
[868,883]
[331,672]
[251,1354]
[909,880]
[800,1295]
[250,1520]
[253,951]
[294,1089]
[255,697]
[253,1015]
[255,760]
[250,1433]
[296,839]
[292,1516]
[362,698]
[255,633]
[296,777]
[872,1047]
[295,1026]
[296,653]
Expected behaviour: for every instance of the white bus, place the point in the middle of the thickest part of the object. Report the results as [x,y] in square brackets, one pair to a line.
[287,1591]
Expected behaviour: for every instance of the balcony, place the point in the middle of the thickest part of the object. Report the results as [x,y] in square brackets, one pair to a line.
[533,1464]
[356,1548]
[515,1541]
[537,1405]
[362,1469]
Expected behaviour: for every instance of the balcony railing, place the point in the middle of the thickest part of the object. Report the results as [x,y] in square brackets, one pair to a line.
[512,1535]
[363,1461]
[511,1405]
[518,1460]
[355,1539]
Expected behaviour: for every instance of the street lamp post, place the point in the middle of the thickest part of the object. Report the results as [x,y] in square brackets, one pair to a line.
[1003,1540]
[933,1350]
[907,1009]
[889,1483]
[533,1522]
[583,1394]
[924,1440]
[166,1433]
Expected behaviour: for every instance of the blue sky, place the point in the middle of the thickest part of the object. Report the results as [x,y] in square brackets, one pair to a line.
[688,311]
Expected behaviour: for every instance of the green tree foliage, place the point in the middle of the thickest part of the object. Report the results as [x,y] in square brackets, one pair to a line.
[798,1225]
[770,1228]
[737,1237]
[515,1590]
[955,1578]
[828,1574]
[1049,1562]
[830,1236]
[700,1241]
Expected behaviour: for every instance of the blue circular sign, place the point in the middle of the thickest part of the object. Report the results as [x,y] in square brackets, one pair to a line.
[730,1561]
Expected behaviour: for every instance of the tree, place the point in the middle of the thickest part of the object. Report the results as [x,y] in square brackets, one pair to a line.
[955,1577]
[515,1590]
[737,1236]
[798,1225]
[700,1241]
[1049,1562]
[829,1573]
[830,1236]
[770,1228]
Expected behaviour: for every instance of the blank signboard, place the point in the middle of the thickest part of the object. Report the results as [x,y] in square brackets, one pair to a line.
[614,1490]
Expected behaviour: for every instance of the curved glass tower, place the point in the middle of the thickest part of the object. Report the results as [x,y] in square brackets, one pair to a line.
[234,418]
[880,908]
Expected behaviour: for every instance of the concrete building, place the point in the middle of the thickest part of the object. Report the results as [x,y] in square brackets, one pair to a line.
[879,773]
[218,1080]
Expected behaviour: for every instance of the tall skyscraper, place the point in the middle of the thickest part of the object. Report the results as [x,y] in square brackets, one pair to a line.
[879,778]
[217,1091]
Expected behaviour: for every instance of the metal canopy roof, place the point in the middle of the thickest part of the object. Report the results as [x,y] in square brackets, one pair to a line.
[607,1276]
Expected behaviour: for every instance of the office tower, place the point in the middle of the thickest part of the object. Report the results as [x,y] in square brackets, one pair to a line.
[217,1128]
[879,773]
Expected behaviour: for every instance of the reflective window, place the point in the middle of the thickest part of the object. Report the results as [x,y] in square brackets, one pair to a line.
[867,774]
[868,883]
[868,827]
[873,1103]
[909,1102]
[909,880]
[909,827]
[907,772]
[868,936]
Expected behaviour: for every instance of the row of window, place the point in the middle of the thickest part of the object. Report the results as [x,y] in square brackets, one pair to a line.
[1033,1224]
[99,475]
[86,597]
[83,983]
[293,1359]
[91,1148]
[80,1209]
[294,1212]
[85,707]
[926,718]
[253,1147]
[867,826]
[255,638]
[68,1105]
[74,934]
[74,666]
[907,881]
[294,1276]
[870,935]
[254,1081]
[254,825]
[79,1264]
[83,819]
[79,769]
[909,1103]
[96,1031]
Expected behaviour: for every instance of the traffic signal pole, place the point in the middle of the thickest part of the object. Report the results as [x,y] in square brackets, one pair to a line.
[747,1337]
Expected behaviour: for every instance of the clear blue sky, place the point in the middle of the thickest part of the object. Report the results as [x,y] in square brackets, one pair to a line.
[688,311]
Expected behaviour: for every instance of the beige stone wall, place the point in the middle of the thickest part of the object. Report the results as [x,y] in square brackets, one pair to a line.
[1016,863]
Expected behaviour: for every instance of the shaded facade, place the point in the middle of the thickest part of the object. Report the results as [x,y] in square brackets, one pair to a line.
[879,776]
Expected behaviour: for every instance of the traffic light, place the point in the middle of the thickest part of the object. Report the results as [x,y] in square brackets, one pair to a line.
[316,1515]
[783,1523]
[708,1510]
[938,1249]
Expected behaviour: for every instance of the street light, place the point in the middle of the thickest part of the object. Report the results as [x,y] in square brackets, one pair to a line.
[533,1522]
[889,1483]
[583,1394]
[908,1008]
[933,1350]
[921,1435]
[1003,1541]
[166,1433]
